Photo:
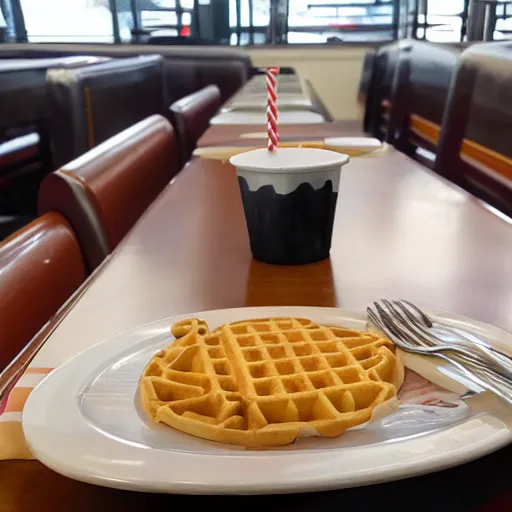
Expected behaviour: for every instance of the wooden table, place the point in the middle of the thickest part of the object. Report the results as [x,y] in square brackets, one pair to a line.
[400,231]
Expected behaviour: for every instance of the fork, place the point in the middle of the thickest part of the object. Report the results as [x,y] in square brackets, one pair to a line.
[419,339]
[401,311]
[420,316]
[472,368]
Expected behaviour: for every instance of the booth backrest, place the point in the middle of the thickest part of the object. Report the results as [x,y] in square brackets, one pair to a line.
[191,116]
[380,90]
[422,81]
[41,268]
[188,69]
[105,191]
[22,86]
[474,147]
[86,106]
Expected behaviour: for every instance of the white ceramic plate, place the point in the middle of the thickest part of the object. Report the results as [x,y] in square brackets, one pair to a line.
[84,422]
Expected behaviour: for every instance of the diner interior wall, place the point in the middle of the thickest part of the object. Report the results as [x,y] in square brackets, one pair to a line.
[333,72]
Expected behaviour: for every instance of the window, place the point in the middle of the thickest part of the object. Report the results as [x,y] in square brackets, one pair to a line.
[324,21]
[442,22]
[235,22]
[503,29]
[242,22]
[247,22]
[68,21]
[166,17]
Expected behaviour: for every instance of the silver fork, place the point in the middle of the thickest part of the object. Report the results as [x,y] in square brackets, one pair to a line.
[417,338]
[454,333]
[408,340]
[501,364]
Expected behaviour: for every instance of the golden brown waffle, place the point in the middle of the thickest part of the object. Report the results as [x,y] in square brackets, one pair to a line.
[265,382]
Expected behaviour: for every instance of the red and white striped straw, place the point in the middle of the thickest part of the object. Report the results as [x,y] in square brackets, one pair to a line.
[272,113]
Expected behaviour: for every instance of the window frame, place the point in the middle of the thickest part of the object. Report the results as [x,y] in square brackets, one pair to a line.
[410,18]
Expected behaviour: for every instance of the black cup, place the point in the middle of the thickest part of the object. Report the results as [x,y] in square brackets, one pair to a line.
[290,211]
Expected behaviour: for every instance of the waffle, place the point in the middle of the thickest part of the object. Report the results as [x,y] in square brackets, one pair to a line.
[260,383]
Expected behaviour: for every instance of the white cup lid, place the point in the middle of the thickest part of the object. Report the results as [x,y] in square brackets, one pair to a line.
[288,159]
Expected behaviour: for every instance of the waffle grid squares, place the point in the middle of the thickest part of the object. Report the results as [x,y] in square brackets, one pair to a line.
[261,382]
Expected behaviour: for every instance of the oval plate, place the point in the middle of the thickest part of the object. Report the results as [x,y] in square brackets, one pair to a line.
[83,421]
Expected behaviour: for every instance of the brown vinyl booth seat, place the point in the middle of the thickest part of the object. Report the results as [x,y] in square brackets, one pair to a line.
[40,268]
[88,105]
[24,139]
[22,87]
[422,82]
[475,149]
[105,191]
[366,76]
[187,69]
[378,104]
[191,116]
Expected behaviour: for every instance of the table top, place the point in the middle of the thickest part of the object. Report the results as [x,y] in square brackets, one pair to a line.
[400,231]
[248,134]
[259,103]
[259,118]
[29,487]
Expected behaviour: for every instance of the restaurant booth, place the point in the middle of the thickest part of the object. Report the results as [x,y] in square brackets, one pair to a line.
[255,253]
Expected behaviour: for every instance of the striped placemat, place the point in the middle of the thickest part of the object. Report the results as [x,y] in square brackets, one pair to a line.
[12,440]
